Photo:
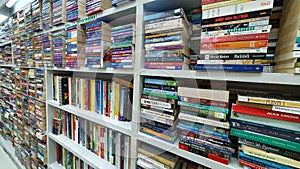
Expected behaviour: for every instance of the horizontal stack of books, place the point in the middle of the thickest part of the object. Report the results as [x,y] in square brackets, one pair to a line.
[267,126]
[116,3]
[6,32]
[159,108]
[36,8]
[97,44]
[30,50]
[75,46]
[47,14]
[166,40]
[47,49]
[59,12]
[109,145]
[96,6]
[5,54]
[75,9]
[38,51]
[40,84]
[28,15]
[59,48]
[287,54]
[204,123]
[122,47]
[22,49]
[31,83]
[234,35]
[22,25]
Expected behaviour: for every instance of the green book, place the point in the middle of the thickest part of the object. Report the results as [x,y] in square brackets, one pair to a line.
[285,144]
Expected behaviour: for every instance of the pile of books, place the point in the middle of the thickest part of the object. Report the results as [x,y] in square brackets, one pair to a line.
[159,108]
[195,17]
[107,144]
[5,54]
[97,44]
[36,16]
[22,48]
[75,46]
[47,14]
[96,6]
[5,32]
[28,15]
[38,51]
[204,123]
[29,51]
[24,81]
[40,84]
[75,9]
[287,54]
[116,3]
[122,47]
[59,48]
[166,40]
[234,35]
[47,49]
[59,12]
[22,25]
[31,83]
[267,126]
[15,24]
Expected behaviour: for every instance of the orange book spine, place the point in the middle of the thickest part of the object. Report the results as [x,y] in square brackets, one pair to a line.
[235,45]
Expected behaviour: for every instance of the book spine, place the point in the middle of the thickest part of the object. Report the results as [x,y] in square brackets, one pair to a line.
[164,67]
[233,45]
[265,113]
[290,110]
[237,68]
[260,21]
[162,115]
[240,8]
[201,120]
[222,3]
[285,144]
[156,103]
[234,38]
[236,51]
[231,56]
[178,11]
[251,165]
[204,107]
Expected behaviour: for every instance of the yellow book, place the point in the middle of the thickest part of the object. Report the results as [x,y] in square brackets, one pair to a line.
[82,93]
[92,95]
[117,101]
[223,3]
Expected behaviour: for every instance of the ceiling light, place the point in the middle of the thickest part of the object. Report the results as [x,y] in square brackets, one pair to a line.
[3,18]
[10,3]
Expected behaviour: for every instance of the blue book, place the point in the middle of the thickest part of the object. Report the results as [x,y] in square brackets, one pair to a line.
[122,104]
[230,67]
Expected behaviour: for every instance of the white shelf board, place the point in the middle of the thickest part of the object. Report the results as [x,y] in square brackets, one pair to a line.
[173,148]
[7,65]
[6,43]
[7,146]
[81,152]
[123,127]
[94,70]
[267,78]
[55,165]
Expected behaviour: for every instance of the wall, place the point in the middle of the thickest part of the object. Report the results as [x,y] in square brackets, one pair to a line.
[19,5]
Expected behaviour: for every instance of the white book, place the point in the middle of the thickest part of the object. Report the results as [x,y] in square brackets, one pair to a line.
[209,94]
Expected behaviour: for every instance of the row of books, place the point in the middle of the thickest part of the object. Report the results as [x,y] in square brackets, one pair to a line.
[96,6]
[75,9]
[5,54]
[59,12]
[111,97]
[47,14]
[109,145]
[5,32]
[59,46]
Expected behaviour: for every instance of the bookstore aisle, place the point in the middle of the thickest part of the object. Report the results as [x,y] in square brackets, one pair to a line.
[5,161]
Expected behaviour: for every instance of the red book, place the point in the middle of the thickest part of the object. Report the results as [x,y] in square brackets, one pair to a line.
[205,2]
[218,159]
[266,113]
[245,163]
[233,38]
[184,147]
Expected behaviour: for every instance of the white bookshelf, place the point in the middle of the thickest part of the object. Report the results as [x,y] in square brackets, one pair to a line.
[55,165]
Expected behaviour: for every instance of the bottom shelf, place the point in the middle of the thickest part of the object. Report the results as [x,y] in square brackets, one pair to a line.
[9,149]
[173,148]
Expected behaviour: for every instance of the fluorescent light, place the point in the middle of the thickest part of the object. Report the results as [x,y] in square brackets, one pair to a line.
[10,3]
[3,18]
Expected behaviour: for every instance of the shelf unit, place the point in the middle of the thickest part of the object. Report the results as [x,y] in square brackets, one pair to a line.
[137,9]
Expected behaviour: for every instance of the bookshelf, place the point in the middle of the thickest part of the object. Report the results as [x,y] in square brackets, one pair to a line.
[133,11]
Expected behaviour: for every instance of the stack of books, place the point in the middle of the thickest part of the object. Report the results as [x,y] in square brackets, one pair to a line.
[5,32]
[5,54]
[159,108]
[96,6]
[42,150]
[287,55]
[28,15]
[24,81]
[107,144]
[152,157]
[166,40]
[30,50]
[47,14]
[15,24]
[47,49]
[267,126]
[97,44]
[59,12]
[234,35]
[36,8]
[116,3]
[75,46]
[22,25]
[122,47]
[31,83]
[59,48]
[22,48]
[38,51]
[40,84]
[75,9]
[204,123]
[195,17]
